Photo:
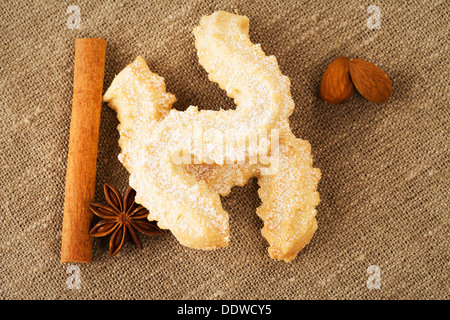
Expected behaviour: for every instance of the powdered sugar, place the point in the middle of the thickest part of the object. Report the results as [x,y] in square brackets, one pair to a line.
[159,145]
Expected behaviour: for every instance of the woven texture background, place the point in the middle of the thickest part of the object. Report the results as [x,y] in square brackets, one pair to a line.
[385,168]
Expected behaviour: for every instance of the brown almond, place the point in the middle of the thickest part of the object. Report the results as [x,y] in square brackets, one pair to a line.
[336,85]
[370,81]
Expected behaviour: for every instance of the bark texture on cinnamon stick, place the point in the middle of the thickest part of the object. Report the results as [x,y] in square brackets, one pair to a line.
[89,68]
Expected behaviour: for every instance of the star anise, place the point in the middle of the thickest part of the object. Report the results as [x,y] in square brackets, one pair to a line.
[120,218]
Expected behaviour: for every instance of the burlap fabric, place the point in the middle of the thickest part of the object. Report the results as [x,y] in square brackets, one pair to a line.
[385,185]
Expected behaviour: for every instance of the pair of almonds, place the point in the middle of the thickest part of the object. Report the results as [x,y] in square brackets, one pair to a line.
[340,76]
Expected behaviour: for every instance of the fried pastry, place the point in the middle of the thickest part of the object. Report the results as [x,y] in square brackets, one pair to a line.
[158,144]
[261,92]
[174,198]
[288,198]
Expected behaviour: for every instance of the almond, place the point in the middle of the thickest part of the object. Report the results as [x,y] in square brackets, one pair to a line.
[336,85]
[370,81]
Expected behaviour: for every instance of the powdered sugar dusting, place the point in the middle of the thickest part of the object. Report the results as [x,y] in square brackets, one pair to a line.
[185,199]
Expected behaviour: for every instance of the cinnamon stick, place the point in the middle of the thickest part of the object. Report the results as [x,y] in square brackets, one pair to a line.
[83,142]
